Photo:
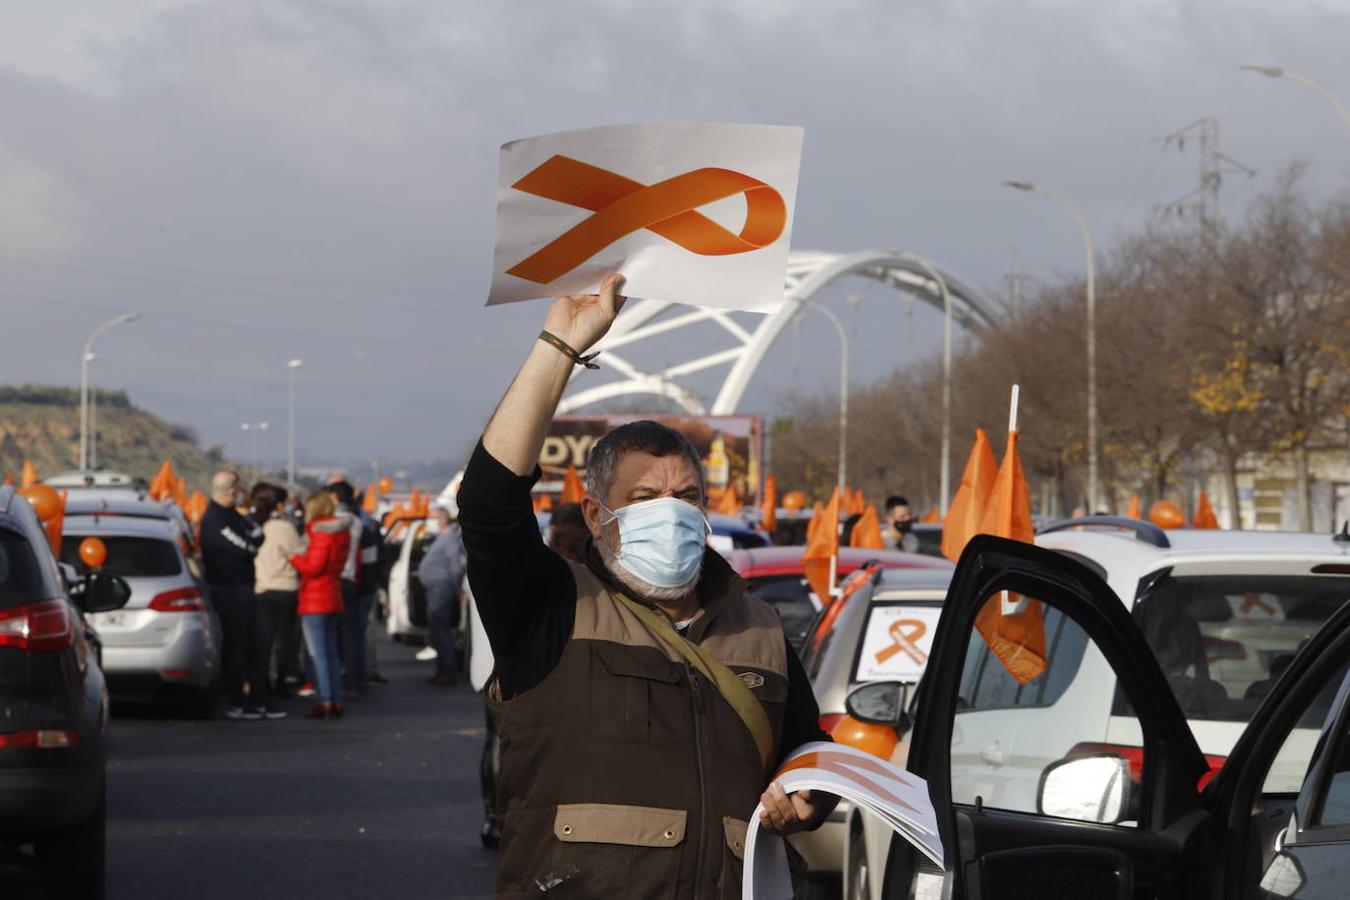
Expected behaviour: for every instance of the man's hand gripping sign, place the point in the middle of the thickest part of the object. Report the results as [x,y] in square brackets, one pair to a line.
[696,214]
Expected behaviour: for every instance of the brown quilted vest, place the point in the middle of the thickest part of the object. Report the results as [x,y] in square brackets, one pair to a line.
[624,772]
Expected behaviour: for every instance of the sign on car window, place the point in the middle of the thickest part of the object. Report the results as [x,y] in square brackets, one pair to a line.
[896,642]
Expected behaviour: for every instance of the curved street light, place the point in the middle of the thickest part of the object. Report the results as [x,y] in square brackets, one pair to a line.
[1063,201]
[86,358]
[1278,72]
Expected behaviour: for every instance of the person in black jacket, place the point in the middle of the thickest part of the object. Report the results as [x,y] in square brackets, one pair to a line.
[229,542]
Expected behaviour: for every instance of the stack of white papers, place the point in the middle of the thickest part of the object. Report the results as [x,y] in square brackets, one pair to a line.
[887,791]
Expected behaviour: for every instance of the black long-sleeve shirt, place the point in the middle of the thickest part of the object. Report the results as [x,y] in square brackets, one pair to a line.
[527,596]
[229,543]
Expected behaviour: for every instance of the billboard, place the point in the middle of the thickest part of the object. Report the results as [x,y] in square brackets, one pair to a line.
[729,446]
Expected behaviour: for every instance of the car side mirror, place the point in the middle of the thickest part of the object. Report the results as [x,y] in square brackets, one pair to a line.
[1086,788]
[881,703]
[99,592]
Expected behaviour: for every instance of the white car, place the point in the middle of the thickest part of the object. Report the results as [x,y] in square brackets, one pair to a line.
[1223,613]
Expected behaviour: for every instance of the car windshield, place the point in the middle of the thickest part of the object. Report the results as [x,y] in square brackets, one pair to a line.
[1222,641]
[20,577]
[128,557]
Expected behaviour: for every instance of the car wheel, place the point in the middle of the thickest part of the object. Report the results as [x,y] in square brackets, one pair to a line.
[72,859]
[859,879]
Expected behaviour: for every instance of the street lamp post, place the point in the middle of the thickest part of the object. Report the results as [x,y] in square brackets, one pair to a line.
[1091,329]
[85,359]
[290,423]
[945,480]
[1278,72]
[843,392]
[257,428]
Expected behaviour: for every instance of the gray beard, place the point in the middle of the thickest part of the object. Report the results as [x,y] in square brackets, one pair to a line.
[640,588]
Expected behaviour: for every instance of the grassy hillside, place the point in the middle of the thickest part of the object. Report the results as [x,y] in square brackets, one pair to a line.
[42,423]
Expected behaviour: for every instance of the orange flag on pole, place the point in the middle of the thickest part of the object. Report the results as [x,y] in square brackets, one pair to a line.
[768,517]
[972,498]
[867,531]
[1015,635]
[572,489]
[932,517]
[28,477]
[1136,510]
[370,501]
[817,516]
[729,504]
[820,560]
[544,503]
[1204,514]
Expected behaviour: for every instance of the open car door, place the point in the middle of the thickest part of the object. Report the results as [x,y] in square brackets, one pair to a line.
[1045,806]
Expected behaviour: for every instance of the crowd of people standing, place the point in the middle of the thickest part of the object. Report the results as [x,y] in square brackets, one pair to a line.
[294,587]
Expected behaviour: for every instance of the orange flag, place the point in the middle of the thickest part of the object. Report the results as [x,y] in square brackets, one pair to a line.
[544,503]
[1204,514]
[9,477]
[370,501]
[768,517]
[1136,510]
[867,531]
[729,504]
[180,492]
[1016,638]
[28,477]
[817,516]
[859,503]
[932,517]
[572,489]
[822,548]
[196,507]
[972,497]
[165,482]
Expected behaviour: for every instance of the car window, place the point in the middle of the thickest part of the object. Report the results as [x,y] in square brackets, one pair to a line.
[21,578]
[1335,809]
[1222,641]
[129,557]
[790,596]
[1008,731]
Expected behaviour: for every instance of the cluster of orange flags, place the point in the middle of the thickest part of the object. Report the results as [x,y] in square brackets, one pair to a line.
[167,486]
[996,501]
[867,531]
[572,490]
[195,507]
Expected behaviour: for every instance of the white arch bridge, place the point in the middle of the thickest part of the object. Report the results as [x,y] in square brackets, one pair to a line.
[808,272]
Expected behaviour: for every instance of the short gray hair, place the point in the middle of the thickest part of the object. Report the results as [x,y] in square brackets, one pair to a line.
[643,436]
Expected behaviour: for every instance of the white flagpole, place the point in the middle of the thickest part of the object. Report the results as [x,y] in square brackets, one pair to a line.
[1012,412]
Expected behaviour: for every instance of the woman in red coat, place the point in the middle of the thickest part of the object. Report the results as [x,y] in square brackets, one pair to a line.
[320,604]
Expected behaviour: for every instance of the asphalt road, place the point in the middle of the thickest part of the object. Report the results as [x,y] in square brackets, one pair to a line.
[384,802]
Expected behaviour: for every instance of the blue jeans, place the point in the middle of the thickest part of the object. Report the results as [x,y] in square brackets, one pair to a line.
[442,610]
[321,636]
[355,617]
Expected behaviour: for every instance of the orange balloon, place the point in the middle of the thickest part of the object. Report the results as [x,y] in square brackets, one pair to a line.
[794,500]
[1166,514]
[878,740]
[92,553]
[45,500]
[386,484]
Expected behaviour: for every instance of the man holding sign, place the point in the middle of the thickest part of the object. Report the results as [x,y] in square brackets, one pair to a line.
[642,696]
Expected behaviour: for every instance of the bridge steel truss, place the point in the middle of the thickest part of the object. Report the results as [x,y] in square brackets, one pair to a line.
[808,272]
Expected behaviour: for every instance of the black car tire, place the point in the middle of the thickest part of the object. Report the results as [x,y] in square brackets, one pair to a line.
[73,858]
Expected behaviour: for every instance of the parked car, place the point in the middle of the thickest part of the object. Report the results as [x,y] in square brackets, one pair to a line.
[53,706]
[775,575]
[136,504]
[163,646]
[857,646]
[1115,821]
[734,533]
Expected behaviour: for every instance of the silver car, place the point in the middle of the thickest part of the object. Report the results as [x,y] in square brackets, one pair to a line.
[165,643]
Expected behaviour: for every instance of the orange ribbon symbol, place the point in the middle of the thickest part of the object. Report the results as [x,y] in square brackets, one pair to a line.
[622,206]
[904,632]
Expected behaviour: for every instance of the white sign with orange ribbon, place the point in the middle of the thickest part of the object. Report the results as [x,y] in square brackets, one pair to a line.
[896,642]
[895,796]
[696,214]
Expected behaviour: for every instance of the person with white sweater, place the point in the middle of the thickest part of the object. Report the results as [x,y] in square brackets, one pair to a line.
[276,583]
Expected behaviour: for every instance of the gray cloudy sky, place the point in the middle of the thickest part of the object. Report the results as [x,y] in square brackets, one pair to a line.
[265,179]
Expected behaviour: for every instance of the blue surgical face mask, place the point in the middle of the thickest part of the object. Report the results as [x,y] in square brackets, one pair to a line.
[661,541]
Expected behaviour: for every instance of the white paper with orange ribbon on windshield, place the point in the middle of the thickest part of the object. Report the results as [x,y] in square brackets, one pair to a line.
[885,790]
[699,214]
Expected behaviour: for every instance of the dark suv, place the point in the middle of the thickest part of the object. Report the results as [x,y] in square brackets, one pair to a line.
[53,706]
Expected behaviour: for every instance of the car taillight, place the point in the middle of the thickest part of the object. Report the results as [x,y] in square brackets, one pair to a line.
[829,720]
[38,627]
[45,739]
[1134,757]
[187,599]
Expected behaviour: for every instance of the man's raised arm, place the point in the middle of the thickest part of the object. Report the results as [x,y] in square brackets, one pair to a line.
[515,433]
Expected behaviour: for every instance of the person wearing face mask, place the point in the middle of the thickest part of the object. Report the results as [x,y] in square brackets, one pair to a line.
[899,530]
[643,696]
